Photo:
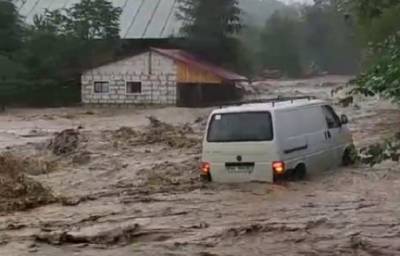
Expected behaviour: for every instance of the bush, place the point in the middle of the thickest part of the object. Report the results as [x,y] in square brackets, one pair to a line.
[19,192]
[43,93]
[383,77]
[377,153]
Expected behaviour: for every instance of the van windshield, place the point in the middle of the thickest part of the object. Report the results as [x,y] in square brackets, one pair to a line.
[244,126]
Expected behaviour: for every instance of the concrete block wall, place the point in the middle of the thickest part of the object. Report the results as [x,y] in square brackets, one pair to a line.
[157,74]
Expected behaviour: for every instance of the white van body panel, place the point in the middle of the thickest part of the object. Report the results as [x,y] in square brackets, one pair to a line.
[300,136]
[260,153]
[303,129]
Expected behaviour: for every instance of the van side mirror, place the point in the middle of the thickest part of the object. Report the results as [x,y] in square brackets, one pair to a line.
[344,119]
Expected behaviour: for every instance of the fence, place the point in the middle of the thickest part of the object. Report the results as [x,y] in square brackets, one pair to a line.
[43,93]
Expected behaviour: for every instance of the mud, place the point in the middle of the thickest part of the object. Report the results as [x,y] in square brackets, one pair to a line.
[64,142]
[18,191]
[158,132]
[130,186]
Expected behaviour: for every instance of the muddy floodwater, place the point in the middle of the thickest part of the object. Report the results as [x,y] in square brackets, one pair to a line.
[125,182]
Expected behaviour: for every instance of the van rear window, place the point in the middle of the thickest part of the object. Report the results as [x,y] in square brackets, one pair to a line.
[243,126]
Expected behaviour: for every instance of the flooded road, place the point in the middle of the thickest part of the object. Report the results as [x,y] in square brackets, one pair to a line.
[137,192]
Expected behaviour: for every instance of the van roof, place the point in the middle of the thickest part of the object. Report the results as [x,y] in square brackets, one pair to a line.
[270,106]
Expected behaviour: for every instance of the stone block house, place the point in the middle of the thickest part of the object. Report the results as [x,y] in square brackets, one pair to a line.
[160,76]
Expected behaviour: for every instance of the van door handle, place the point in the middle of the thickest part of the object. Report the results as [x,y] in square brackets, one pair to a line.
[328,135]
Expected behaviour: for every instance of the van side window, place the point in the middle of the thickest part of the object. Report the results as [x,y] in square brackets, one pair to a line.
[332,119]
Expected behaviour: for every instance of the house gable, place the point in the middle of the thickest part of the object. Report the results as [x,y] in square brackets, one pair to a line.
[142,64]
[147,78]
[190,74]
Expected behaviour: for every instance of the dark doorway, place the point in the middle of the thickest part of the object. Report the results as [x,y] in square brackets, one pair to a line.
[200,95]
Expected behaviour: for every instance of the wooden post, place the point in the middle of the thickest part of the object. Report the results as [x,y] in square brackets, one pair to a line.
[150,63]
[199,94]
[178,95]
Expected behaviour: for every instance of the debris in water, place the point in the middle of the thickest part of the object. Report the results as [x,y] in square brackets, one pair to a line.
[92,235]
[173,136]
[345,102]
[35,133]
[176,176]
[37,165]
[158,132]
[124,133]
[64,142]
[17,191]
[82,158]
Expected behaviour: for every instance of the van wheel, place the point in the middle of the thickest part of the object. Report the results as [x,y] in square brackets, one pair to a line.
[300,172]
[349,156]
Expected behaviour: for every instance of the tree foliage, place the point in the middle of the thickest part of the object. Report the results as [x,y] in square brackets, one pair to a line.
[329,41]
[10,28]
[64,42]
[309,39]
[11,40]
[366,10]
[209,27]
[377,153]
[383,76]
[43,62]
[380,23]
[88,19]
[280,47]
[256,13]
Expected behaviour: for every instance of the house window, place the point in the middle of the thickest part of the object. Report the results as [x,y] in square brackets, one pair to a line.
[101,87]
[133,87]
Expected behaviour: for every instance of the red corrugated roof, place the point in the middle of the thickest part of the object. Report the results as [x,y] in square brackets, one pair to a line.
[192,60]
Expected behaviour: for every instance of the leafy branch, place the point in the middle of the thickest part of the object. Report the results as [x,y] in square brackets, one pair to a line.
[380,152]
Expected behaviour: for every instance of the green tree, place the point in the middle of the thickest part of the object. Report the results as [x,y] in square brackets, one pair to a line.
[280,45]
[383,76]
[366,10]
[41,64]
[330,42]
[88,19]
[210,26]
[382,27]
[11,40]
[64,42]
[304,39]
[376,20]
[10,28]
[379,25]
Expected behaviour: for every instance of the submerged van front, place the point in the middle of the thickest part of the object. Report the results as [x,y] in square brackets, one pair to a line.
[239,147]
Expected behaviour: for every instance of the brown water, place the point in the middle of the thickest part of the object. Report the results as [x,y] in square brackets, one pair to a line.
[132,198]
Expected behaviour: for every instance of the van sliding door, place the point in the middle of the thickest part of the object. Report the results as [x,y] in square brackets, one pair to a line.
[302,130]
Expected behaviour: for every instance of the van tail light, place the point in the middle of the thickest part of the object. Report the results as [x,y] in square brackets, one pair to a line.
[205,168]
[278,167]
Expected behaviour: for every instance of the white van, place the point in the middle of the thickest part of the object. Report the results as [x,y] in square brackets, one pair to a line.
[267,141]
